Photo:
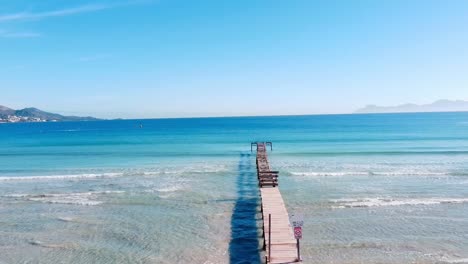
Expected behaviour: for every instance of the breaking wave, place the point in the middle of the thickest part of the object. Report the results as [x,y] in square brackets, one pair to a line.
[371,173]
[454,260]
[60,177]
[129,172]
[380,202]
[84,198]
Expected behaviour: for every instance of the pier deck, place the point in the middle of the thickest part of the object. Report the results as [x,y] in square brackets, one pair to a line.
[283,247]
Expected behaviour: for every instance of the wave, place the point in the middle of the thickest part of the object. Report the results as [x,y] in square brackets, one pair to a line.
[181,171]
[184,171]
[173,188]
[130,172]
[60,177]
[371,173]
[372,153]
[84,198]
[166,189]
[323,173]
[120,154]
[380,202]
[455,260]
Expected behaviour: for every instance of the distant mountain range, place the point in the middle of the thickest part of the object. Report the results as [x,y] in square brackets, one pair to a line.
[32,114]
[437,106]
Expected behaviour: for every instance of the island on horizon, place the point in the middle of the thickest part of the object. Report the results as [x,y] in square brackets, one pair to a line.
[32,114]
[437,106]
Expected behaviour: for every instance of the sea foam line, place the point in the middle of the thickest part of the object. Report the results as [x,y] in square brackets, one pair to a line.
[196,169]
[61,177]
[380,202]
[371,173]
[455,260]
[26,195]
[83,198]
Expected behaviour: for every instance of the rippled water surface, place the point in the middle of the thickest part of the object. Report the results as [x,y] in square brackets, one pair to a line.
[373,188]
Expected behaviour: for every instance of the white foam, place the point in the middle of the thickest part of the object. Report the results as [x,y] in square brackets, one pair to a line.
[16,195]
[61,177]
[84,198]
[410,173]
[324,173]
[173,188]
[379,202]
[186,170]
[158,171]
[455,260]
[167,188]
[368,173]
[72,198]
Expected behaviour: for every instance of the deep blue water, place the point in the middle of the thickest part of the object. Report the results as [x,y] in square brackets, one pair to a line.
[387,188]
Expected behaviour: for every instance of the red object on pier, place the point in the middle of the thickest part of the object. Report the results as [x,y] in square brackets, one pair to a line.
[298,232]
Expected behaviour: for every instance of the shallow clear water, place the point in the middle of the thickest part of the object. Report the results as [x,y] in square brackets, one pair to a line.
[374,189]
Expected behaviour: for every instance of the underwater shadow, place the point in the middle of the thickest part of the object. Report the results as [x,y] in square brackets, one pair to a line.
[244,245]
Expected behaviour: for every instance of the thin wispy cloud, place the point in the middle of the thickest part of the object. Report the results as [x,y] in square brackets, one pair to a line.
[30,16]
[8,34]
[23,16]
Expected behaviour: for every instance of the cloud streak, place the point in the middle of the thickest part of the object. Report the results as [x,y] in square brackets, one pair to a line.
[24,16]
[7,34]
[30,16]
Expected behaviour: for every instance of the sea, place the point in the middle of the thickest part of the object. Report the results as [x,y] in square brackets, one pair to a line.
[373,188]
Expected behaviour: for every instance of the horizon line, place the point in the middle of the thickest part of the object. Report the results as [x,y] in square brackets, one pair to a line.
[284,115]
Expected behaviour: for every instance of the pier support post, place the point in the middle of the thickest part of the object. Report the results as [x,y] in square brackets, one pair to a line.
[269,237]
[298,251]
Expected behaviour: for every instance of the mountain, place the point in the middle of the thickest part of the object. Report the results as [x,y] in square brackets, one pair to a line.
[34,114]
[6,111]
[437,106]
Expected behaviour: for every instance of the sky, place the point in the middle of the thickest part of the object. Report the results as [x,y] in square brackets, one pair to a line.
[179,58]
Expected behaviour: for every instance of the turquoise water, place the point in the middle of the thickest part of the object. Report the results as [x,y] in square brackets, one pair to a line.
[390,188]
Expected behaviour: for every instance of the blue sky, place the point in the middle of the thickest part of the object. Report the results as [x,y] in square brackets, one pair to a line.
[171,58]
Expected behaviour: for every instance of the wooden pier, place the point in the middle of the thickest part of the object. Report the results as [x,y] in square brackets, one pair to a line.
[279,242]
